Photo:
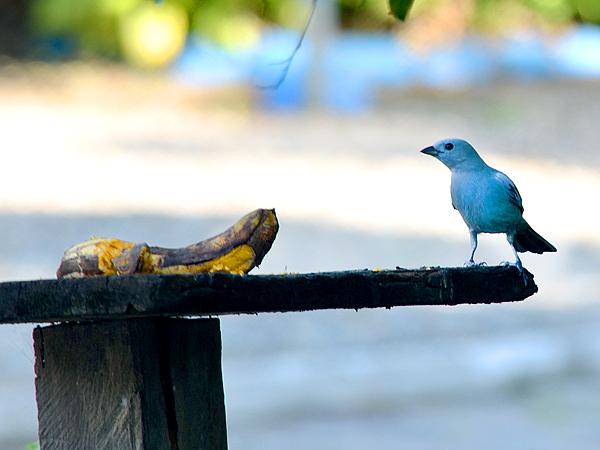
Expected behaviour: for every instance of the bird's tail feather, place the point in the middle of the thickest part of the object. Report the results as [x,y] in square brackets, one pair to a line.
[527,240]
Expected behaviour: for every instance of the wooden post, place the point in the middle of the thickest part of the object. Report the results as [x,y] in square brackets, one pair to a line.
[135,384]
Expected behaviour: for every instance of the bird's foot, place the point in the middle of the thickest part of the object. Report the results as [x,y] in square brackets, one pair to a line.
[472,263]
[522,272]
[519,267]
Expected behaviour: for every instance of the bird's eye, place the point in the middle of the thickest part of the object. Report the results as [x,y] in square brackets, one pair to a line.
[449,146]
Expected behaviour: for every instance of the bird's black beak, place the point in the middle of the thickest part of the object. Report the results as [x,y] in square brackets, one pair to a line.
[431,151]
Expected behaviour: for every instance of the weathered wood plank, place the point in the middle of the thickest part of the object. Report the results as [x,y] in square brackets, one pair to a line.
[137,384]
[214,294]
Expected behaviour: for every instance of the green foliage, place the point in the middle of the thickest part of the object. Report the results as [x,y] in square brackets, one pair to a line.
[400,8]
[286,13]
[231,29]
[33,446]
[94,24]
[588,10]
[366,14]
[558,10]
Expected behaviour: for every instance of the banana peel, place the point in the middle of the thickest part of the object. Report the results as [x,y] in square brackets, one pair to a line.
[236,250]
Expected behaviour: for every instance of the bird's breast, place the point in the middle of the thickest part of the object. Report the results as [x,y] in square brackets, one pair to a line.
[483,204]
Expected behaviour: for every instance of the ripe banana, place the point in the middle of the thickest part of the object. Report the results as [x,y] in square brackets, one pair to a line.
[236,250]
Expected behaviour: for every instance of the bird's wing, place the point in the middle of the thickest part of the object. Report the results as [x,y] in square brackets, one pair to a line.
[513,193]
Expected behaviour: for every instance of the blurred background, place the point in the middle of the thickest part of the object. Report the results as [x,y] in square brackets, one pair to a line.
[165,122]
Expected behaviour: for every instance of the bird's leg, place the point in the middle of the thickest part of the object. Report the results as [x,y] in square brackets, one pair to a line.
[471,261]
[518,260]
[518,263]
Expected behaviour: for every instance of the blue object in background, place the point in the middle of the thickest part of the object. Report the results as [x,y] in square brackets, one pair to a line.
[458,66]
[524,56]
[204,63]
[356,65]
[578,53]
[55,48]
[281,89]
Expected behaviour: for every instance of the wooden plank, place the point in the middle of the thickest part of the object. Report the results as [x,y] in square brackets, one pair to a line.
[119,385]
[218,293]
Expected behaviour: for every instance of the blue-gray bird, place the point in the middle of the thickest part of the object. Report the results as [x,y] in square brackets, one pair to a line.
[487,200]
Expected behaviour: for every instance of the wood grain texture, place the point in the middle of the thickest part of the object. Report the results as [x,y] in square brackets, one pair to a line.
[197,386]
[96,298]
[96,385]
[143,384]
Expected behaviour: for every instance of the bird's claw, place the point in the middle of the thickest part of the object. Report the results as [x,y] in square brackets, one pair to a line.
[472,263]
[520,268]
[523,273]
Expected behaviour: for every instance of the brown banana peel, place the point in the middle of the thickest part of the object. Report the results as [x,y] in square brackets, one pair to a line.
[236,250]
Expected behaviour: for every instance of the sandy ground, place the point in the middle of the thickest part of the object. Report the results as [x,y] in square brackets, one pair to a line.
[114,153]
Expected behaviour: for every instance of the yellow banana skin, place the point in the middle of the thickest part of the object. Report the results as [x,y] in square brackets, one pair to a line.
[236,250]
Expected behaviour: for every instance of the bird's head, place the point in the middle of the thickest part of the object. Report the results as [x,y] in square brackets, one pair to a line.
[455,154]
